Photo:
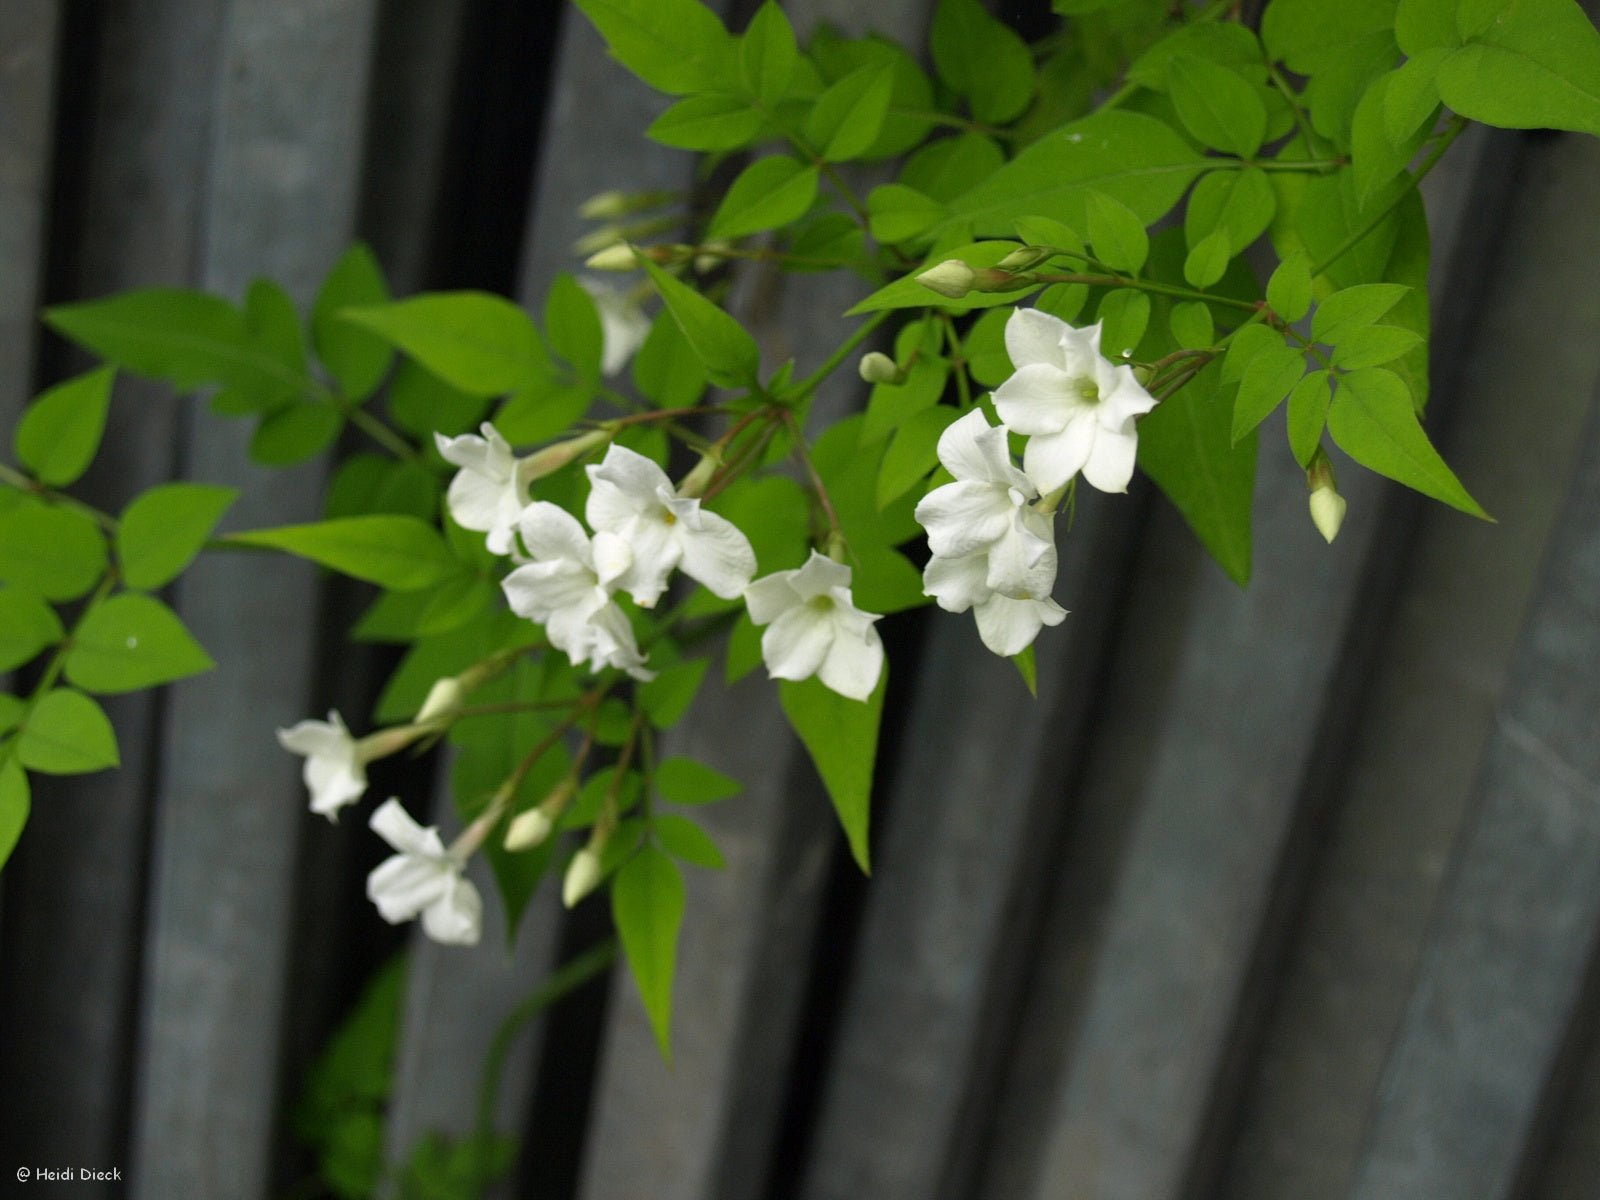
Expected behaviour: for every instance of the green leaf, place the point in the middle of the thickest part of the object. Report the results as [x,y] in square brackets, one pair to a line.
[60,431]
[422,404]
[683,839]
[770,192]
[907,292]
[1124,316]
[572,323]
[57,552]
[983,59]
[676,46]
[1244,346]
[1270,377]
[476,342]
[885,581]
[67,734]
[1192,324]
[131,642]
[768,55]
[163,529]
[728,353]
[1186,445]
[13,806]
[399,553]
[1131,157]
[685,781]
[710,122]
[187,338]
[1412,96]
[647,901]
[913,452]
[1216,105]
[1226,43]
[1116,233]
[841,735]
[1536,65]
[1208,261]
[1376,156]
[897,213]
[295,433]
[1372,420]
[666,368]
[1353,308]
[27,626]
[667,697]
[1308,414]
[1373,345]
[1289,289]
[1423,25]
[1239,203]
[356,359]
[846,119]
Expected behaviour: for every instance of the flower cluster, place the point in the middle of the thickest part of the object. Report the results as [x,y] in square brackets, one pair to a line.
[990,530]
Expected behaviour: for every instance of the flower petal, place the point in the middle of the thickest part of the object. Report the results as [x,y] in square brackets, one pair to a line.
[819,577]
[456,917]
[395,825]
[1034,337]
[333,783]
[964,516]
[717,555]
[853,664]
[973,449]
[1021,564]
[489,455]
[771,596]
[328,737]
[551,534]
[1109,466]
[405,884]
[612,558]
[1009,626]
[656,552]
[1080,351]
[624,485]
[956,584]
[1122,397]
[475,500]
[1038,399]
[1052,460]
[796,643]
[540,590]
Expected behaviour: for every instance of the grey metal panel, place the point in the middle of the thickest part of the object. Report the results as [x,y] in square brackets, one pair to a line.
[1530,360]
[27,76]
[1510,948]
[977,787]
[290,86]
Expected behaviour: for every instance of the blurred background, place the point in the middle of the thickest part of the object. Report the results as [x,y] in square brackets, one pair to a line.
[1286,892]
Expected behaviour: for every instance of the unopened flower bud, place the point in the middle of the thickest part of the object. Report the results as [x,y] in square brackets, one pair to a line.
[711,254]
[582,877]
[700,476]
[531,828]
[1024,258]
[387,741]
[1327,505]
[558,454]
[605,206]
[616,257]
[444,700]
[877,367]
[952,278]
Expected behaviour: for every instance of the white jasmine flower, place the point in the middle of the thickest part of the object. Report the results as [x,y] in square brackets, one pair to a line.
[561,588]
[623,325]
[1007,621]
[1076,407]
[986,508]
[644,529]
[816,629]
[490,489]
[423,877]
[334,771]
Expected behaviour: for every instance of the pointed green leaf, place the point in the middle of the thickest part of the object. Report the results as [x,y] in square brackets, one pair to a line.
[27,626]
[846,119]
[983,59]
[722,345]
[1308,414]
[356,359]
[768,55]
[13,806]
[1216,105]
[913,453]
[897,213]
[1208,261]
[685,781]
[1353,308]
[1373,421]
[1124,316]
[769,193]
[676,46]
[57,552]
[1289,289]
[1186,446]
[667,697]
[60,431]
[295,433]
[709,122]
[1373,345]
[131,642]
[1270,377]
[841,735]
[477,342]
[1240,204]
[163,529]
[1116,234]
[1028,668]
[399,553]
[683,839]
[67,734]
[572,322]
[1192,324]
[1534,64]
[647,900]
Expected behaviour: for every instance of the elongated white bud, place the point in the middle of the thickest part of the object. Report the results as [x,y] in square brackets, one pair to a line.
[952,278]
[528,830]
[618,257]
[1327,512]
[443,702]
[877,367]
[582,877]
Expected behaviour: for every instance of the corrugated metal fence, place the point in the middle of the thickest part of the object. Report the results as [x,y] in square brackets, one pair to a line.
[1290,892]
